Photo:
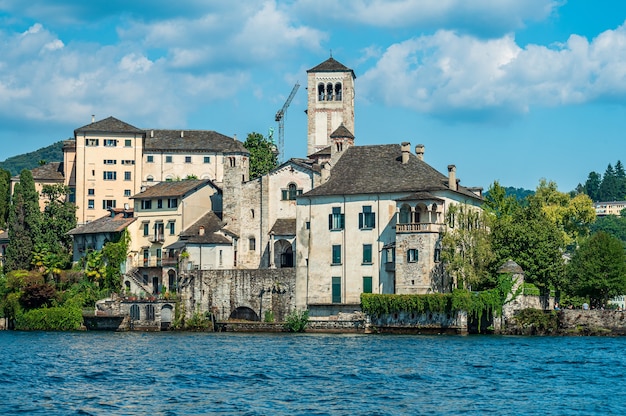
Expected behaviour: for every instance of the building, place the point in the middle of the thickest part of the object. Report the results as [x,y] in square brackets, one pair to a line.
[109,160]
[45,174]
[609,208]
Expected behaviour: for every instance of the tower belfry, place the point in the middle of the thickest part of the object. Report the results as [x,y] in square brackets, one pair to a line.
[330,102]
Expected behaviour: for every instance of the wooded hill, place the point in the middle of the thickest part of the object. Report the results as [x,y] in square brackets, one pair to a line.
[52,153]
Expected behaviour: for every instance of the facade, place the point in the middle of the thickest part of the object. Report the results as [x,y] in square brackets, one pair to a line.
[46,174]
[374,226]
[109,160]
[609,208]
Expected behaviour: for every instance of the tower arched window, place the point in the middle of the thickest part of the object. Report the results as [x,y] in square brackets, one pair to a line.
[329,92]
[320,92]
[405,214]
[338,95]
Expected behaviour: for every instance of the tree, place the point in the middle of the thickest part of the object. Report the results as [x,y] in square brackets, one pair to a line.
[498,202]
[598,269]
[24,224]
[466,251]
[592,186]
[263,154]
[608,190]
[5,197]
[620,178]
[533,241]
[613,225]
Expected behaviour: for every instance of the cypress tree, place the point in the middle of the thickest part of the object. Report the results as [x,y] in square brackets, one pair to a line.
[608,188]
[5,197]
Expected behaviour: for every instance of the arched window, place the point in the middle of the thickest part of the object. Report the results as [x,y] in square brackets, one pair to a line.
[150,178]
[329,92]
[320,92]
[293,190]
[338,92]
[405,214]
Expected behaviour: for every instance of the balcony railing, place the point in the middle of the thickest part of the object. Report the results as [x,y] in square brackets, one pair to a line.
[155,262]
[159,238]
[419,227]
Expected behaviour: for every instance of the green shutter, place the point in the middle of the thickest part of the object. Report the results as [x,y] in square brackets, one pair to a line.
[367,284]
[336,290]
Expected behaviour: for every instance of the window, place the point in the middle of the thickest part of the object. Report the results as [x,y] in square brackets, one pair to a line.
[146,228]
[91,191]
[336,290]
[336,254]
[321,96]
[329,92]
[109,175]
[207,159]
[172,227]
[367,219]
[146,204]
[367,284]
[149,312]
[72,195]
[91,204]
[127,176]
[91,142]
[291,192]
[252,244]
[126,192]
[108,203]
[336,220]
[187,159]
[134,312]
[308,225]
[150,159]
[367,254]
[411,255]
[128,162]
[110,142]
[128,142]
[172,203]
[405,214]
[168,159]
[338,93]
[110,161]
[390,254]
[159,203]
[150,178]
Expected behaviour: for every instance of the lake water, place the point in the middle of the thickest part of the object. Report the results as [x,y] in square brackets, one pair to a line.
[95,373]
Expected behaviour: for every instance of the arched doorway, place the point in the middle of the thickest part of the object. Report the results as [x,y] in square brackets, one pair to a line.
[166,316]
[283,254]
[244,313]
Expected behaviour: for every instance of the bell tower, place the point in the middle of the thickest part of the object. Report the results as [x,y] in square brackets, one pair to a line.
[330,88]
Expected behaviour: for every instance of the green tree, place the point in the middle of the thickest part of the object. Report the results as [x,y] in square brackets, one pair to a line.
[620,178]
[533,241]
[613,225]
[466,249]
[24,224]
[608,190]
[5,197]
[592,186]
[598,269]
[498,202]
[263,154]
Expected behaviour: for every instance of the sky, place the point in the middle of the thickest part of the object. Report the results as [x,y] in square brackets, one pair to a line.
[513,91]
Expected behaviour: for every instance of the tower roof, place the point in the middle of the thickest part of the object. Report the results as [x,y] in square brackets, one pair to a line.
[331,65]
[108,125]
[342,131]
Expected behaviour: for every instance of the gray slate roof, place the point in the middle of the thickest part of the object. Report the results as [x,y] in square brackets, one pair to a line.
[342,131]
[378,169]
[192,140]
[172,188]
[108,125]
[331,65]
[106,224]
[284,226]
[52,171]
[212,224]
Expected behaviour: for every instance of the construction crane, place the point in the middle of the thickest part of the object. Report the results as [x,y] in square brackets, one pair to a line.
[280,118]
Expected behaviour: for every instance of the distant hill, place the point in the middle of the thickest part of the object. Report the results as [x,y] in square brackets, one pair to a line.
[52,153]
[519,193]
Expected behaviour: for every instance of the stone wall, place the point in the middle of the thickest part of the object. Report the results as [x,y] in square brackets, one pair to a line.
[432,322]
[222,292]
[592,322]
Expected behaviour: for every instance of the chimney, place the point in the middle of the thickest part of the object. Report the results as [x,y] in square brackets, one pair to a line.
[419,151]
[93,118]
[406,150]
[452,184]
[182,133]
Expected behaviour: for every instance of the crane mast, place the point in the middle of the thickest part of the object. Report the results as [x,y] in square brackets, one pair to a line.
[280,118]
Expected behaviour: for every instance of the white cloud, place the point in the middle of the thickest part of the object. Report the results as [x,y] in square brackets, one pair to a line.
[447,73]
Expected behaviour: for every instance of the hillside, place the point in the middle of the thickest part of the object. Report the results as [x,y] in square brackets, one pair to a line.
[15,164]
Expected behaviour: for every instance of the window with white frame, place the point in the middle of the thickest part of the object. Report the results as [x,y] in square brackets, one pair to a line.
[367,218]
[110,142]
[412,255]
[336,220]
[109,175]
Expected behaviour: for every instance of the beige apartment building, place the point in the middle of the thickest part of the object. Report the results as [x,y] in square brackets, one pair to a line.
[109,160]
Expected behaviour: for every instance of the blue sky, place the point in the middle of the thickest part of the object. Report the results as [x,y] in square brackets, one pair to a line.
[508,90]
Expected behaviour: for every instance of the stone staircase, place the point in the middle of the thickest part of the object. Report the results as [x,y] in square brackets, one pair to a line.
[134,276]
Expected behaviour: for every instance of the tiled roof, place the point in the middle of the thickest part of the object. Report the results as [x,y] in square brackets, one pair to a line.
[52,171]
[331,65]
[172,188]
[322,152]
[108,125]
[284,226]
[420,196]
[106,224]
[379,169]
[196,140]
[342,131]
[212,224]
[307,164]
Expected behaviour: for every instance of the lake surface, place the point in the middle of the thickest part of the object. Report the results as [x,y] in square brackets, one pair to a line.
[95,373]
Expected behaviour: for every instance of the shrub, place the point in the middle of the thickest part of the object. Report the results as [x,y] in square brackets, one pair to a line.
[297,321]
[59,318]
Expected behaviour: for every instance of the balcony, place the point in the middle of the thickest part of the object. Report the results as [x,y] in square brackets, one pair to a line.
[419,227]
[158,238]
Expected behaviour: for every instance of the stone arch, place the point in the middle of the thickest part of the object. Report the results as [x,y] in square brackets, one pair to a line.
[320,92]
[245,313]
[405,214]
[338,89]
[329,92]
[171,280]
[166,316]
[283,254]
